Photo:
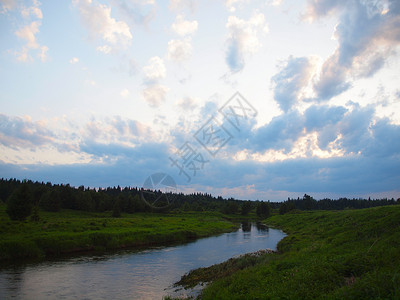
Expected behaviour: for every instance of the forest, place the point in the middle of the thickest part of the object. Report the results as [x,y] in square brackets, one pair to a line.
[24,198]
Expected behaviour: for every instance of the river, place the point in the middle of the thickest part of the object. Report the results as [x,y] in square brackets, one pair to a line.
[129,274]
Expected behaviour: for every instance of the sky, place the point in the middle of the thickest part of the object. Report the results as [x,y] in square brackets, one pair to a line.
[248,99]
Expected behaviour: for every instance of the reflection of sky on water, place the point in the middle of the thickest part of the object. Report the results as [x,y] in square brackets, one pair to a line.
[128,274]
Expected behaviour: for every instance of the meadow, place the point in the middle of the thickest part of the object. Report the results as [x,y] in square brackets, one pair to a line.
[69,231]
[350,254]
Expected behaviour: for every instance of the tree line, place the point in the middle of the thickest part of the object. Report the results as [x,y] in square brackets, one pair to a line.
[24,198]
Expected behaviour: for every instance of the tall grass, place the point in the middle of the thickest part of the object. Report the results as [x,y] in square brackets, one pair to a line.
[352,254]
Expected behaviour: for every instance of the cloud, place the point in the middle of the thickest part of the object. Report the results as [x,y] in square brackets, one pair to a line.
[106,49]
[124,93]
[243,39]
[183,27]
[274,2]
[124,152]
[290,82]
[97,18]
[136,11]
[7,5]
[74,60]
[368,33]
[155,94]
[231,4]
[16,132]
[155,70]
[33,10]
[319,116]
[280,133]
[28,33]
[179,50]
[188,103]
[179,5]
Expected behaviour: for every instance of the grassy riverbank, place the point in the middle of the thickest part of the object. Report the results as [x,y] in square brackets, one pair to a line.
[351,254]
[72,231]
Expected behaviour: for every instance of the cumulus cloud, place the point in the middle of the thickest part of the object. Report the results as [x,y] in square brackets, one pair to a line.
[183,27]
[290,82]
[243,39]
[368,33]
[179,50]
[97,18]
[155,69]
[155,94]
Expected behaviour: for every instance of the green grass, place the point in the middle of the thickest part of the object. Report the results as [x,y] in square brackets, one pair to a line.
[351,254]
[71,231]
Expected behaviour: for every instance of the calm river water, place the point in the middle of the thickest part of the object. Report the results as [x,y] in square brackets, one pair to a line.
[128,274]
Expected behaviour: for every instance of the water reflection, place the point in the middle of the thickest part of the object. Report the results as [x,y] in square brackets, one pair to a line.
[246,226]
[262,227]
[146,274]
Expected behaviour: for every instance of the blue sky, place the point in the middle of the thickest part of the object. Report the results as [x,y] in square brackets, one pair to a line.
[105,93]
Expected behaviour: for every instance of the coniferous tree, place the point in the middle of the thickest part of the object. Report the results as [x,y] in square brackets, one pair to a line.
[19,204]
[116,212]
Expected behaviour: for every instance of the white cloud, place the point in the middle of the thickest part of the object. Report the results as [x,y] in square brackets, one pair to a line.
[34,10]
[74,60]
[28,33]
[184,27]
[188,103]
[155,94]
[179,5]
[43,53]
[124,93]
[179,50]
[243,39]
[97,18]
[106,49]
[231,4]
[155,70]
[274,2]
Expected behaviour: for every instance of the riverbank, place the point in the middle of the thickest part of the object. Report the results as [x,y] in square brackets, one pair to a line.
[71,231]
[351,254]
